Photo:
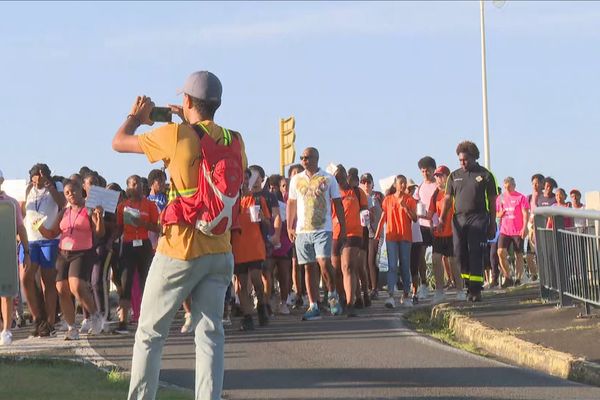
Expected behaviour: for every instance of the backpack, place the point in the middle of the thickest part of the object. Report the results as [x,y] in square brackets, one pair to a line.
[212,207]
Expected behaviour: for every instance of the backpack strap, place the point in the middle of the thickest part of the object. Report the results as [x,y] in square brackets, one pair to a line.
[201,131]
[357,194]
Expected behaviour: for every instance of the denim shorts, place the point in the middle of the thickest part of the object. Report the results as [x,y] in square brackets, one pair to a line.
[41,252]
[313,245]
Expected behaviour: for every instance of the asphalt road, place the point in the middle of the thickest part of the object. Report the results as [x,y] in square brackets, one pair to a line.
[371,357]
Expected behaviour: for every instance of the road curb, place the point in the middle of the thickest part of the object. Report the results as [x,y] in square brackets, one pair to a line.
[518,351]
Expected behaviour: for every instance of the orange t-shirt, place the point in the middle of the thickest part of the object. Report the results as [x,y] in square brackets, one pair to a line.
[148,213]
[247,242]
[352,207]
[398,225]
[436,206]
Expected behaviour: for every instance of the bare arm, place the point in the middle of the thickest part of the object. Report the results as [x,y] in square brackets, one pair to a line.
[54,230]
[445,207]
[380,225]
[22,232]
[125,140]
[291,217]
[339,211]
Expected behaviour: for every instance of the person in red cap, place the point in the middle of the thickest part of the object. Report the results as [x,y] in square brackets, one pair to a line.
[442,239]
[187,261]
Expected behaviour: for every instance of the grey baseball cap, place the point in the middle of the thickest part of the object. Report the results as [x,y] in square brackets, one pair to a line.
[203,85]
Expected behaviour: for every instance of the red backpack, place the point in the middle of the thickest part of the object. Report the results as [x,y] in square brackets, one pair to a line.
[212,207]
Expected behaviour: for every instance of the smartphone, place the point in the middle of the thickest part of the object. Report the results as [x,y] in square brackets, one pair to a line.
[161,114]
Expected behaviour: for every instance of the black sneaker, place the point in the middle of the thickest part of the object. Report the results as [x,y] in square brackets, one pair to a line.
[415,299]
[351,311]
[122,328]
[263,318]
[247,324]
[508,282]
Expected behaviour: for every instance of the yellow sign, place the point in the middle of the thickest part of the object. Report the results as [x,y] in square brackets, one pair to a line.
[287,137]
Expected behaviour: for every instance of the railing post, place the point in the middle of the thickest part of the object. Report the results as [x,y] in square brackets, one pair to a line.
[559,264]
[541,252]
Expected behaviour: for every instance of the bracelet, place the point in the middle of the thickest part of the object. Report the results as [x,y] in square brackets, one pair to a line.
[135,117]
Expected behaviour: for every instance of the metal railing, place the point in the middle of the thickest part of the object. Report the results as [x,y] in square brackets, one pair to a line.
[568,256]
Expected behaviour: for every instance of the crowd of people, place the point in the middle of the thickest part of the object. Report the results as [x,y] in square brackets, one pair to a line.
[311,240]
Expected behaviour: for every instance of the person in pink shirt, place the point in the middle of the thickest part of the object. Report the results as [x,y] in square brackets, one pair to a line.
[513,210]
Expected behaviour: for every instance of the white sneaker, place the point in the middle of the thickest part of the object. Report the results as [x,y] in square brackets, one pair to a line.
[407,302]
[438,297]
[6,338]
[72,334]
[61,326]
[390,302]
[283,309]
[461,296]
[86,324]
[290,299]
[95,325]
[187,325]
[227,321]
[423,292]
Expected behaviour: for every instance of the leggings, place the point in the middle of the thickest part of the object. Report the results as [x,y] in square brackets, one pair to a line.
[134,258]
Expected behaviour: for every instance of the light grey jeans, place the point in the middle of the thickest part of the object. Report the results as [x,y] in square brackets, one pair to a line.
[169,282]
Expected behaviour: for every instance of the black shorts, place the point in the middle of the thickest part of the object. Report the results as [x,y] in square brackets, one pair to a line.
[338,245]
[365,239]
[244,268]
[443,246]
[427,236]
[517,243]
[75,264]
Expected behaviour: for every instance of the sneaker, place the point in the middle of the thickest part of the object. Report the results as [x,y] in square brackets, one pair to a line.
[311,314]
[367,300]
[247,324]
[6,338]
[72,334]
[122,328]
[227,321]
[44,329]
[334,306]
[438,297]
[415,299]
[518,282]
[86,325]
[95,325]
[423,292]
[390,303]
[263,314]
[61,326]
[290,299]
[187,325]
[351,311]
[408,303]
[283,309]
[508,282]
[374,294]
[475,297]
[461,296]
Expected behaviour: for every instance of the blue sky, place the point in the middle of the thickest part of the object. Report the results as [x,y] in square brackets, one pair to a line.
[372,85]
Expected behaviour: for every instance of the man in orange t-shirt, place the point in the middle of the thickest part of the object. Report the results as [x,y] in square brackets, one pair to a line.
[399,212]
[442,238]
[345,253]
[249,254]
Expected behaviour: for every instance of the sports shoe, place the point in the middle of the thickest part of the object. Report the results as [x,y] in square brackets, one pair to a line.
[72,334]
[423,292]
[461,296]
[311,314]
[61,326]
[390,303]
[334,304]
[86,324]
[351,311]
[438,297]
[6,338]
[290,299]
[518,282]
[475,298]
[247,324]
[406,302]
[508,282]
[283,309]
[227,321]
[187,325]
[95,325]
[44,329]
[122,328]
[374,294]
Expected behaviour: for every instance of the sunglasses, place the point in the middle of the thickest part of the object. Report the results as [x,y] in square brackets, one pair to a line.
[304,158]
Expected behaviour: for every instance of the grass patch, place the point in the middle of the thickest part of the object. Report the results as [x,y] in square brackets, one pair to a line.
[420,320]
[56,379]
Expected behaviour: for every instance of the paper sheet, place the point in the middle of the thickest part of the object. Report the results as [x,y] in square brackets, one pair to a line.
[107,199]
[331,168]
[15,188]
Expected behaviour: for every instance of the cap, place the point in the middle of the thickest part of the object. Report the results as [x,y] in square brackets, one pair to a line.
[410,183]
[442,170]
[203,85]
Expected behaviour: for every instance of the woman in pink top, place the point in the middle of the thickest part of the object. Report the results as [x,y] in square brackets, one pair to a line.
[77,229]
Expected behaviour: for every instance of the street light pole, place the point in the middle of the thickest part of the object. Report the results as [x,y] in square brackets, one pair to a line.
[486,128]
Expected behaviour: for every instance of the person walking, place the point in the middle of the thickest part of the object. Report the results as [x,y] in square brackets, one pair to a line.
[188,260]
[472,191]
